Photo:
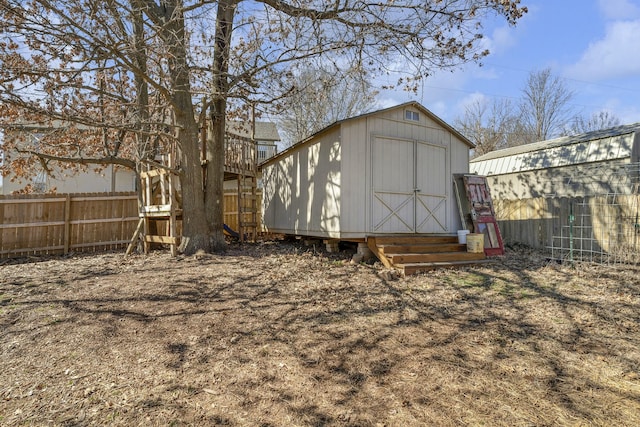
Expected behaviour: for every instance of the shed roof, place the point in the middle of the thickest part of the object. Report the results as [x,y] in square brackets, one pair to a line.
[413,104]
[601,145]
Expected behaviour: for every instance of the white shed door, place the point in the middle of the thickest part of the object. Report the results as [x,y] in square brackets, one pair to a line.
[409,187]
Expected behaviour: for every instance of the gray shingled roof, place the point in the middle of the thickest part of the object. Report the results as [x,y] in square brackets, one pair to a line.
[600,145]
[265,131]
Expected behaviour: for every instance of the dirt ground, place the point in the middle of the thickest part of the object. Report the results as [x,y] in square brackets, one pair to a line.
[279,334]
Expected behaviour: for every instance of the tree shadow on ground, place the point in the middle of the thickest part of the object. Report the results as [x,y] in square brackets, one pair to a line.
[294,335]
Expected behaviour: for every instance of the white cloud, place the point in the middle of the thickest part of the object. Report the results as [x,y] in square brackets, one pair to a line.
[616,55]
[626,113]
[470,100]
[620,9]
[501,39]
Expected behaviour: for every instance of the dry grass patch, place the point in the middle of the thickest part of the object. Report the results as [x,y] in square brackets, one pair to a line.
[275,334]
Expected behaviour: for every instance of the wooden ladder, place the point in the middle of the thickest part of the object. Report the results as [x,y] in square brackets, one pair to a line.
[247,208]
[160,211]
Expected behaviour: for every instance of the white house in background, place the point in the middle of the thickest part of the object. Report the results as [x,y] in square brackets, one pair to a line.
[111,179]
[266,136]
[385,172]
[114,178]
[94,179]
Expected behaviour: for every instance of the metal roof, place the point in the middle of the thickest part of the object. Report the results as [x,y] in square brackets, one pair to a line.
[596,146]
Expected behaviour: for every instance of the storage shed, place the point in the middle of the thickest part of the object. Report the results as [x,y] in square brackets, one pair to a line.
[578,196]
[580,165]
[381,173]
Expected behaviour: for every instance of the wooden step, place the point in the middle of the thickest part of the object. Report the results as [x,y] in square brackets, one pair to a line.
[434,257]
[409,269]
[423,248]
[413,254]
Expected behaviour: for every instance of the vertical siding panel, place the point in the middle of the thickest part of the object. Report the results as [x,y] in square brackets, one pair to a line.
[329,198]
[355,176]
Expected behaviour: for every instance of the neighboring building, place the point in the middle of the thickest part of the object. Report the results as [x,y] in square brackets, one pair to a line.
[114,178]
[385,172]
[266,136]
[111,179]
[563,166]
[94,179]
[576,195]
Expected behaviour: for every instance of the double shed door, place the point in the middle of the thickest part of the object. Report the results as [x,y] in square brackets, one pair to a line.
[409,186]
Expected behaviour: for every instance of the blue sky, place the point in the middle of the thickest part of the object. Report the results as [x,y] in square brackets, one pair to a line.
[593,45]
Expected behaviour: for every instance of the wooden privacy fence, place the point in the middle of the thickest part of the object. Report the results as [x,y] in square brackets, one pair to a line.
[591,228]
[528,221]
[231,210]
[63,223]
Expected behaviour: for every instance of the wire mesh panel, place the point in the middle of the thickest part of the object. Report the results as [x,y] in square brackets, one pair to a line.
[603,227]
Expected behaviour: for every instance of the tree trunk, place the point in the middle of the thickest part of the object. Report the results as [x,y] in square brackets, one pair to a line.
[195,230]
[214,190]
[214,193]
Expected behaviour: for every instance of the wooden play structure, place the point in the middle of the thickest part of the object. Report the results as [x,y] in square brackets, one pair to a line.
[241,165]
[161,208]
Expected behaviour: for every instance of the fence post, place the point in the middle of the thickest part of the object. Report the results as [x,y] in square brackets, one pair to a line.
[572,219]
[67,223]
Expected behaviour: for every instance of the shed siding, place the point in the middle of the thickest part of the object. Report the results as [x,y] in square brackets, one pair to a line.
[459,159]
[324,187]
[355,177]
[303,189]
[357,174]
[392,124]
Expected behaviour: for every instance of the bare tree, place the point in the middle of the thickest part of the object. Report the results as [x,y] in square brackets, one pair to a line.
[542,112]
[544,107]
[320,97]
[490,126]
[597,121]
[149,71]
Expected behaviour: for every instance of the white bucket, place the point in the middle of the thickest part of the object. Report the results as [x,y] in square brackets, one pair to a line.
[462,236]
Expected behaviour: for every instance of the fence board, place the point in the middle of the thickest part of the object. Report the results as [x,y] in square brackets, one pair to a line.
[231,210]
[56,224]
[600,222]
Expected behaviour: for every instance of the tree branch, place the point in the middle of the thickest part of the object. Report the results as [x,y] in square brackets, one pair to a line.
[108,160]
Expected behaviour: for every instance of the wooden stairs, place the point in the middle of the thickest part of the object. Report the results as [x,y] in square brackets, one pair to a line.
[415,254]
